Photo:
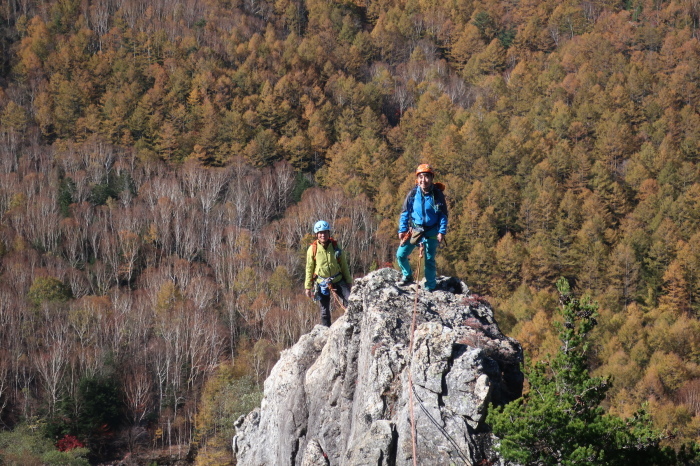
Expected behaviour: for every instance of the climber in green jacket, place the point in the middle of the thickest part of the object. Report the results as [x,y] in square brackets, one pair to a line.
[326,271]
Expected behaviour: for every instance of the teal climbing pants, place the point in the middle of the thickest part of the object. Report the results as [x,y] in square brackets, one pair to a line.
[405,250]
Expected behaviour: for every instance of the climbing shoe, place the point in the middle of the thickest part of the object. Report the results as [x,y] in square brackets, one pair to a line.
[405,281]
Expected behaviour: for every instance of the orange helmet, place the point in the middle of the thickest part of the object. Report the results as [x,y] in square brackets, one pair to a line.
[424,168]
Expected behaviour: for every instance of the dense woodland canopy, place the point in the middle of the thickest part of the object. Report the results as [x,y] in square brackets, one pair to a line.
[162,162]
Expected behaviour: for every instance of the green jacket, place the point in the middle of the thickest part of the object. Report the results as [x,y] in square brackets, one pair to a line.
[326,265]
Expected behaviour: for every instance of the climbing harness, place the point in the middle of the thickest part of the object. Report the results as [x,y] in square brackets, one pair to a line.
[323,286]
[412,389]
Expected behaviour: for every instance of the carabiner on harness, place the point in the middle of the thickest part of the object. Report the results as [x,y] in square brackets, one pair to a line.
[323,287]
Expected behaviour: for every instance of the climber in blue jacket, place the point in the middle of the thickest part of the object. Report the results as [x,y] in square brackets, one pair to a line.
[423,221]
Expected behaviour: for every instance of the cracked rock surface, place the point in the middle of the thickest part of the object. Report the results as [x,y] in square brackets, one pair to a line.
[340,396]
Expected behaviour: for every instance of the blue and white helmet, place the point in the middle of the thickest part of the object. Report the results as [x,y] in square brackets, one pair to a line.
[321,225]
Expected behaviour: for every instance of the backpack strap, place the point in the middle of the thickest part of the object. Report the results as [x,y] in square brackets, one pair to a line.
[439,200]
[411,196]
[337,250]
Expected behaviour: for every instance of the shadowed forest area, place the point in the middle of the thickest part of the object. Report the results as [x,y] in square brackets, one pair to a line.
[162,164]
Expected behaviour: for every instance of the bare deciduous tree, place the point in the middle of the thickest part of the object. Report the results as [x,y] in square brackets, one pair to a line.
[137,386]
[51,361]
[130,245]
[5,374]
[689,394]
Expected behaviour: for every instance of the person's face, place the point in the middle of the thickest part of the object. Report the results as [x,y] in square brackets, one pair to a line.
[323,236]
[425,181]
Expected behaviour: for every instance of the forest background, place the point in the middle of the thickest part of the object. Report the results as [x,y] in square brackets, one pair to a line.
[162,163]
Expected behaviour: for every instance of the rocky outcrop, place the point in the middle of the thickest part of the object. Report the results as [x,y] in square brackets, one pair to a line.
[340,396]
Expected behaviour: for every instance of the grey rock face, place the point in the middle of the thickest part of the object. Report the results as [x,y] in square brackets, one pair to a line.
[341,395]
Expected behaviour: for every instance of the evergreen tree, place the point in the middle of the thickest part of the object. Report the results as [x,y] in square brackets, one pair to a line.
[560,420]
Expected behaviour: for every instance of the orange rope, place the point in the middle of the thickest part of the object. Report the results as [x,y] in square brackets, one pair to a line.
[337,299]
[410,371]
[411,388]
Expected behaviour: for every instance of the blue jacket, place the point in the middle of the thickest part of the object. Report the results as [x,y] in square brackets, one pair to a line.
[428,211]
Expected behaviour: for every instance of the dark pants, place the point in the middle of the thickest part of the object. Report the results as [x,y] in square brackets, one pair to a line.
[342,289]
